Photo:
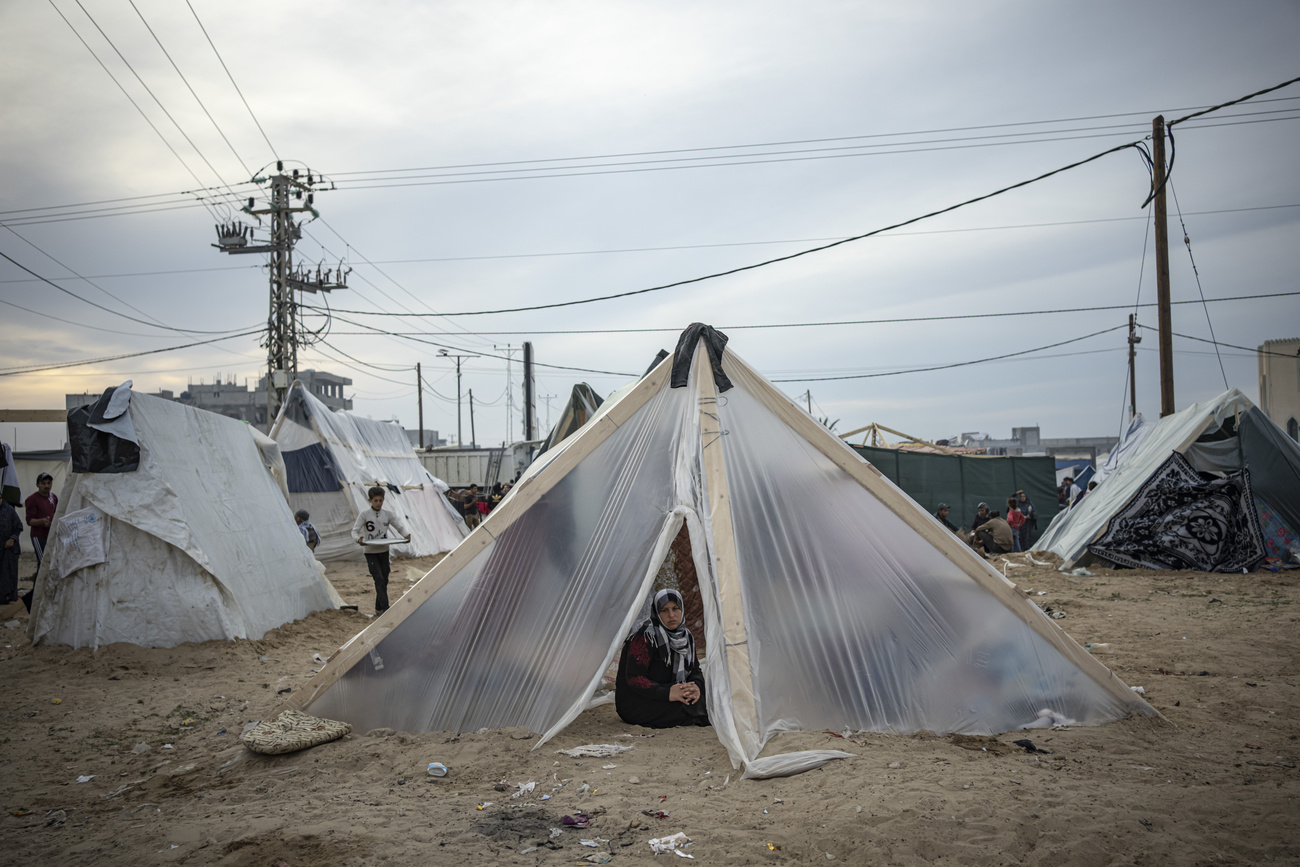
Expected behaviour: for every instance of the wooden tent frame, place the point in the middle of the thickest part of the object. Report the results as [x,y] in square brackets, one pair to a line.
[722,540]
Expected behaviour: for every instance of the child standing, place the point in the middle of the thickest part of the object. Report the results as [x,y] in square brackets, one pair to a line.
[373,523]
[1016,519]
[309,533]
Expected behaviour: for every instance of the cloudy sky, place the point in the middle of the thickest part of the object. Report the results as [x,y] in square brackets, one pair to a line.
[491,155]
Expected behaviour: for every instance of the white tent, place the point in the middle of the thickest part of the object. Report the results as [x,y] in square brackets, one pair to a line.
[1219,435]
[333,457]
[195,543]
[831,599]
[1133,435]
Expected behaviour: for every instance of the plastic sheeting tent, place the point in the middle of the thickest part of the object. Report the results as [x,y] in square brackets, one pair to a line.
[196,544]
[1222,434]
[333,458]
[831,600]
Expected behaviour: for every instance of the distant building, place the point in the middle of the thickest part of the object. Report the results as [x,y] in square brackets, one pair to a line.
[1028,441]
[1279,383]
[238,401]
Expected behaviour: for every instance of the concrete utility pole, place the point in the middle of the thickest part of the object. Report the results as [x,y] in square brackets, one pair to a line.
[530,400]
[419,391]
[282,326]
[1162,269]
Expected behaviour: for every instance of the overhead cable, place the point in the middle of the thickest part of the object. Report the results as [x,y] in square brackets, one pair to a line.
[168,55]
[14,371]
[1253,350]
[954,364]
[232,80]
[130,99]
[890,321]
[148,90]
[108,309]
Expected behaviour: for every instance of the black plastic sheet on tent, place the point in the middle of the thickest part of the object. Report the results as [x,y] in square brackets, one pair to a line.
[310,470]
[1182,520]
[94,451]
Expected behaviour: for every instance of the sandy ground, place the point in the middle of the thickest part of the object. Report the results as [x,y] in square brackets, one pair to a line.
[1216,782]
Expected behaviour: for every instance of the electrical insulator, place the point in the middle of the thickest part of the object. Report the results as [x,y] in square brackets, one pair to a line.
[250,203]
[295,173]
[279,165]
[309,178]
[311,198]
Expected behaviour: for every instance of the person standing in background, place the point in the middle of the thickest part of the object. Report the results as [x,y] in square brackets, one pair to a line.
[1030,525]
[1016,521]
[40,514]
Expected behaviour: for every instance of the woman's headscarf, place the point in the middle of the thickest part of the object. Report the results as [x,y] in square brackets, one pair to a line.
[677,645]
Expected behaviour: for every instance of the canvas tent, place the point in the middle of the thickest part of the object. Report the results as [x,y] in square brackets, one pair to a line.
[1223,436]
[830,599]
[170,528]
[332,459]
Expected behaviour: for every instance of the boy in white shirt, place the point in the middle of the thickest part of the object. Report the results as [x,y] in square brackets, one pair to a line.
[373,523]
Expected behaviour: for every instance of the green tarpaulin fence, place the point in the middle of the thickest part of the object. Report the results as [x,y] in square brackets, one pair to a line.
[964,481]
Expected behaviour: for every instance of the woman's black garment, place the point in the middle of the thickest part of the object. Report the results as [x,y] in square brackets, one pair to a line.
[641,689]
[11,528]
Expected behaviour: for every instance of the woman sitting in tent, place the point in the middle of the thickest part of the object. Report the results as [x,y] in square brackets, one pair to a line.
[659,682]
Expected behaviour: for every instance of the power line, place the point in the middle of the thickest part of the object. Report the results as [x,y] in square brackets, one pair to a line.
[232,80]
[747,160]
[824,247]
[167,54]
[955,364]
[1234,102]
[49,256]
[1252,350]
[151,94]
[445,345]
[127,94]
[785,143]
[806,252]
[107,309]
[14,371]
[893,321]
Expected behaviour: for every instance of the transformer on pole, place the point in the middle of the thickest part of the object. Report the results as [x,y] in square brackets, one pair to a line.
[289,194]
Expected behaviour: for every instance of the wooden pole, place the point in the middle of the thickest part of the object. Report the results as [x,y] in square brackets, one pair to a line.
[473,438]
[1133,341]
[1162,270]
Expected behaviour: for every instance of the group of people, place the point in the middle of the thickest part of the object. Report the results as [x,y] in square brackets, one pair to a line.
[991,533]
[473,506]
[1069,494]
[40,507]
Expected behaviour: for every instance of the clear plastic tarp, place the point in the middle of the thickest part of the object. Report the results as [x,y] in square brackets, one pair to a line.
[199,542]
[332,458]
[518,636]
[854,620]
[854,617]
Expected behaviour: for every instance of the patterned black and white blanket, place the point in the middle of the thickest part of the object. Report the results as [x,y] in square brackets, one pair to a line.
[1179,520]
